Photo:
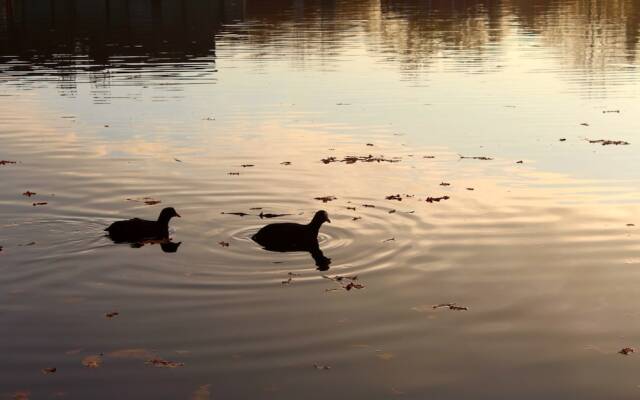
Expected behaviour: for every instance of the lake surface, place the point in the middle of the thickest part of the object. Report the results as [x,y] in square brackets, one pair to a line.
[104,105]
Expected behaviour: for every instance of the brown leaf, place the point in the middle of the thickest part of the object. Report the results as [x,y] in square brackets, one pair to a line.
[445,184]
[233,173]
[476,158]
[285,163]
[394,197]
[40,203]
[5,162]
[470,188]
[451,306]
[326,198]
[92,361]
[112,314]
[368,206]
[584,124]
[627,350]
[351,208]
[389,240]
[247,165]
[370,144]
[520,162]
[392,211]
[29,194]
[605,142]
[223,244]
[355,218]
[160,363]
[563,139]
[49,371]
[429,157]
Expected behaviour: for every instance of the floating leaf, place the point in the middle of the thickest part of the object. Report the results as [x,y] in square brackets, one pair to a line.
[627,350]
[146,200]
[49,371]
[394,197]
[285,163]
[5,162]
[351,208]
[445,184]
[520,162]
[326,198]
[389,240]
[29,193]
[584,124]
[177,160]
[160,363]
[563,139]
[92,361]
[233,173]
[451,306]
[370,144]
[268,215]
[436,199]
[611,111]
[223,244]
[239,214]
[470,188]
[429,157]
[354,159]
[356,218]
[40,203]
[247,165]
[392,211]
[368,206]
[476,158]
[112,314]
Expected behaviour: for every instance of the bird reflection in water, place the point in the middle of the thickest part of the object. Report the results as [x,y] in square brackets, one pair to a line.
[290,237]
[140,232]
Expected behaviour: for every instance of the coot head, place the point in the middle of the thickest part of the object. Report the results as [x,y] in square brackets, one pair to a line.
[320,218]
[167,214]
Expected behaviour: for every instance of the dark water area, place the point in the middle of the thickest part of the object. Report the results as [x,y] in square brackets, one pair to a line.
[455,146]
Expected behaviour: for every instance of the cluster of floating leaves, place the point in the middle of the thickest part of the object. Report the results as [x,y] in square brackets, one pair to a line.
[606,142]
[482,158]
[6,162]
[355,159]
[437,199]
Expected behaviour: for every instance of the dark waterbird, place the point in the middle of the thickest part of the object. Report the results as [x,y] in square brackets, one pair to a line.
[289,237]
[139,231]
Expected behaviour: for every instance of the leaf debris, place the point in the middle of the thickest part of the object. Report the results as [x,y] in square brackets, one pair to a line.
[112,314]
[29,193]
[606,142]
[354,159]
[223,243]
[436,199]
[40,203]
[5,162]
[482,158]
[451,306]
[627,350]
[160,363]
[326,199]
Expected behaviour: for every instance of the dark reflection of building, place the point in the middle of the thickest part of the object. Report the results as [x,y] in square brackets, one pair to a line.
[74,36]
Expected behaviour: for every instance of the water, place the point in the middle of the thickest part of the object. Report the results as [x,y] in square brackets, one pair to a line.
[107,101]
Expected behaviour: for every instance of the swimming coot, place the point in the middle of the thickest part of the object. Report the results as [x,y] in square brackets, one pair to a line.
[137,230]
[286,237]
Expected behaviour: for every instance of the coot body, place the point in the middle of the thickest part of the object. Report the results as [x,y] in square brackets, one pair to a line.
[137,230]
[290,236]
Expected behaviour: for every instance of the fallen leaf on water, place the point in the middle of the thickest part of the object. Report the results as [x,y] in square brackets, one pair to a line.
[326,198]
[445,184]
[247,165]
[321,367]
[451,306]
[470,188]
[49,371]
[606,142]
[92,361]
[202,393]
[520,162]
[142,354]
[436,199]
[394,197]
[268,215]
[392,211]
[233,173]
[177,160]
[356,218]
[368,206]
[223,244]
[631,224]
[370,144]
[40,203]
[27,244]
[5,162]
[285,163]
[255,208]
[475,158]
[239,214]
[563,139]
[29,193]
[351,208]
[160,363]
[112,314]
[584,124]
[429,157]
[21,395]
[611,111]
[389,240]
[627,350]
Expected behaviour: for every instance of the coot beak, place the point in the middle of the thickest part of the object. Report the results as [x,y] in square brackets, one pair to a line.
[328,220]
[178,215]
